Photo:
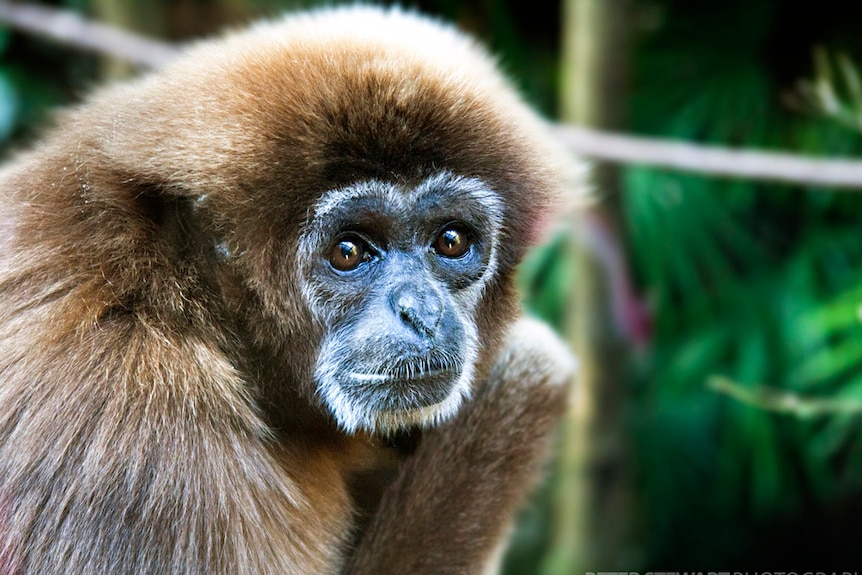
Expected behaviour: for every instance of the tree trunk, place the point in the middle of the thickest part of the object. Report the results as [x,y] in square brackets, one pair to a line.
[593,502]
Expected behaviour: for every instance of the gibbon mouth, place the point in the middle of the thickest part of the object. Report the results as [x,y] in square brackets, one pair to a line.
[402,390]
[364,378]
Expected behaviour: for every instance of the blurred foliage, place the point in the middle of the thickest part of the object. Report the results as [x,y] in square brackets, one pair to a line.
[753,282]
[754,288]
[754,285]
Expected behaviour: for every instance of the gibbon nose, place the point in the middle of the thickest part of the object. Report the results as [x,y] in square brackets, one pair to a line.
[418,306]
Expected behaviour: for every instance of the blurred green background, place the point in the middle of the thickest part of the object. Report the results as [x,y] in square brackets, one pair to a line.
[718,423]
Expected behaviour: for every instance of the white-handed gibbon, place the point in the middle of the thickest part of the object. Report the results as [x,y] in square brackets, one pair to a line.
[257,312]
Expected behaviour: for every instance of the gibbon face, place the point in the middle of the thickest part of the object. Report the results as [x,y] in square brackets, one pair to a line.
[396,275]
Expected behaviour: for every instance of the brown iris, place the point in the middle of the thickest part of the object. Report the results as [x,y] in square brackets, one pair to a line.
[452,242]
[347,254]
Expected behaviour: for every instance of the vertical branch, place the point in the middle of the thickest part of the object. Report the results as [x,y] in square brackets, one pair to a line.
[592,510]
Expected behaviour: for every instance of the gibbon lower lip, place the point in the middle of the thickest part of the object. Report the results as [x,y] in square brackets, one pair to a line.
[389,377]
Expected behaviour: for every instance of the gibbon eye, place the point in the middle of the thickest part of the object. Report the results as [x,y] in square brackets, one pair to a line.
[452,242]
[348,253]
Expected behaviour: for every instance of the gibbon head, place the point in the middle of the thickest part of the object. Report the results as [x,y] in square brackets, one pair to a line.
[362,181]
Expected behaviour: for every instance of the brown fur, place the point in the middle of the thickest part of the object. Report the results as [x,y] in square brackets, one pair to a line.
[156,407]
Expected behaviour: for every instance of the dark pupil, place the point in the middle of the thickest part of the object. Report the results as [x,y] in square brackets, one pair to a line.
[451,243]
[346,255]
